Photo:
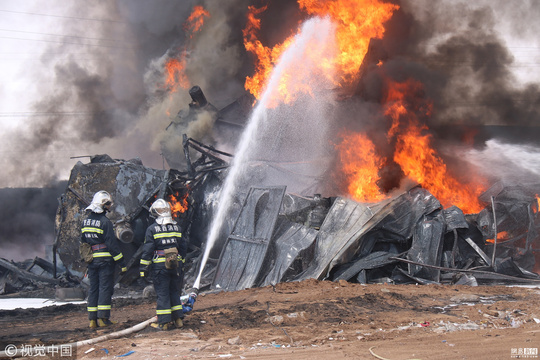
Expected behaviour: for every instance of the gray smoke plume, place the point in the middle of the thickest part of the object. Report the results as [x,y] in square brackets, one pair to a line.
[108,94]
[113,100]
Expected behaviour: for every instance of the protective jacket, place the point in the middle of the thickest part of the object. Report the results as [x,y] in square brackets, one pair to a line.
[158,238]
[97,230]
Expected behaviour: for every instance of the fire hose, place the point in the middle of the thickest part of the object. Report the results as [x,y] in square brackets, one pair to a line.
[189,301]
[14,352]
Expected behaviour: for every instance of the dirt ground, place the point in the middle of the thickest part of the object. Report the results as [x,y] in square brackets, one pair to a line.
[306,320]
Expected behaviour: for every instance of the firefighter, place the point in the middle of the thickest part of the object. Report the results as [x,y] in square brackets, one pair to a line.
[97,231]
[164,252]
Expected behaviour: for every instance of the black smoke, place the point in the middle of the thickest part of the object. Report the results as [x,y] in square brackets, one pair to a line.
[463,55]
[28,216]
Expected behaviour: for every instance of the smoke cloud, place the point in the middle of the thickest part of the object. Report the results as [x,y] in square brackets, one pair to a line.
[28,220]
[113,99]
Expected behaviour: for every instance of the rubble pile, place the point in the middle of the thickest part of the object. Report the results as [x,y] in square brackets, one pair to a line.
[272,236]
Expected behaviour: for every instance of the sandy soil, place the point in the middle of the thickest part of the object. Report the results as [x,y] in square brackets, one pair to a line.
[307,320]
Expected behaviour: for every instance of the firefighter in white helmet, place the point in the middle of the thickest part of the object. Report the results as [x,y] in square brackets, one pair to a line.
[97,231]
[164,253]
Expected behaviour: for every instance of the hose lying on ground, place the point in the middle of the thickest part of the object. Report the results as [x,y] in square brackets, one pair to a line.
[12,352]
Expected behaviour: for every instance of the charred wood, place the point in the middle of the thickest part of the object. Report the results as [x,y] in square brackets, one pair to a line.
[26,276]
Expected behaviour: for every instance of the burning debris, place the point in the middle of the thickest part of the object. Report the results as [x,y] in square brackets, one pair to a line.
[270,235]
[408,239]
[279,237]
[404,214]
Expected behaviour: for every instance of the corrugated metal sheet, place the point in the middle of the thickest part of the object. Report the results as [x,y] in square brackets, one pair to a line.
[345,219]
[293,250]
[245,250]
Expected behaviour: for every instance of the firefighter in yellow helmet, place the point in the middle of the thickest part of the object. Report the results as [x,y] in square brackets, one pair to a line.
[97,231]
[164,252]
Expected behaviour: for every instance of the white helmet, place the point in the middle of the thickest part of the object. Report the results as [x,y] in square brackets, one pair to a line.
[102,201]
[161,210]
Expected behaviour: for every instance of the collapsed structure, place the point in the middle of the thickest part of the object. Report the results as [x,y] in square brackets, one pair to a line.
[274,236]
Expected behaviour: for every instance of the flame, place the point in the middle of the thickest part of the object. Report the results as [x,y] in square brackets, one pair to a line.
[195,21]
[357,21]
[175,76]
[361,164]
[174,69]
[414,153]
[501,237]
[179,205]
[266,57]
[536,205]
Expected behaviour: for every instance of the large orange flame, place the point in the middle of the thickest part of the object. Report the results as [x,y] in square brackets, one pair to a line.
[357,21]
[414,152]
[175,76]
[266,57]
[416,155]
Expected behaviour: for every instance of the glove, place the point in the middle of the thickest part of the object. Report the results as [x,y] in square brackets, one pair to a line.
[188,305]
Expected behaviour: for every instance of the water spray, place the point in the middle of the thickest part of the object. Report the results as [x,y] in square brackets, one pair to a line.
[315,30]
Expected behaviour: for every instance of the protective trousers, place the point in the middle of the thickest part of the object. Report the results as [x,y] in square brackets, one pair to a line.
[101,276]
[166,285]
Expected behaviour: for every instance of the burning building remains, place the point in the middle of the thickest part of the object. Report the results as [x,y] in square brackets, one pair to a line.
[369,146]
[270,235]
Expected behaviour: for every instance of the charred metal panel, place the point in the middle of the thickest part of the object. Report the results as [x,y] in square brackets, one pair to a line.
[405,211]
[374,260]
[427,248]
[130,184]
[393,221]
[513,212]
[344,220]
[245,250]
[293,250]
[342,235]
[454,218]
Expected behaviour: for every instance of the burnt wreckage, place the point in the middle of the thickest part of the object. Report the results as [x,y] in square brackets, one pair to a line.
[273,236]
